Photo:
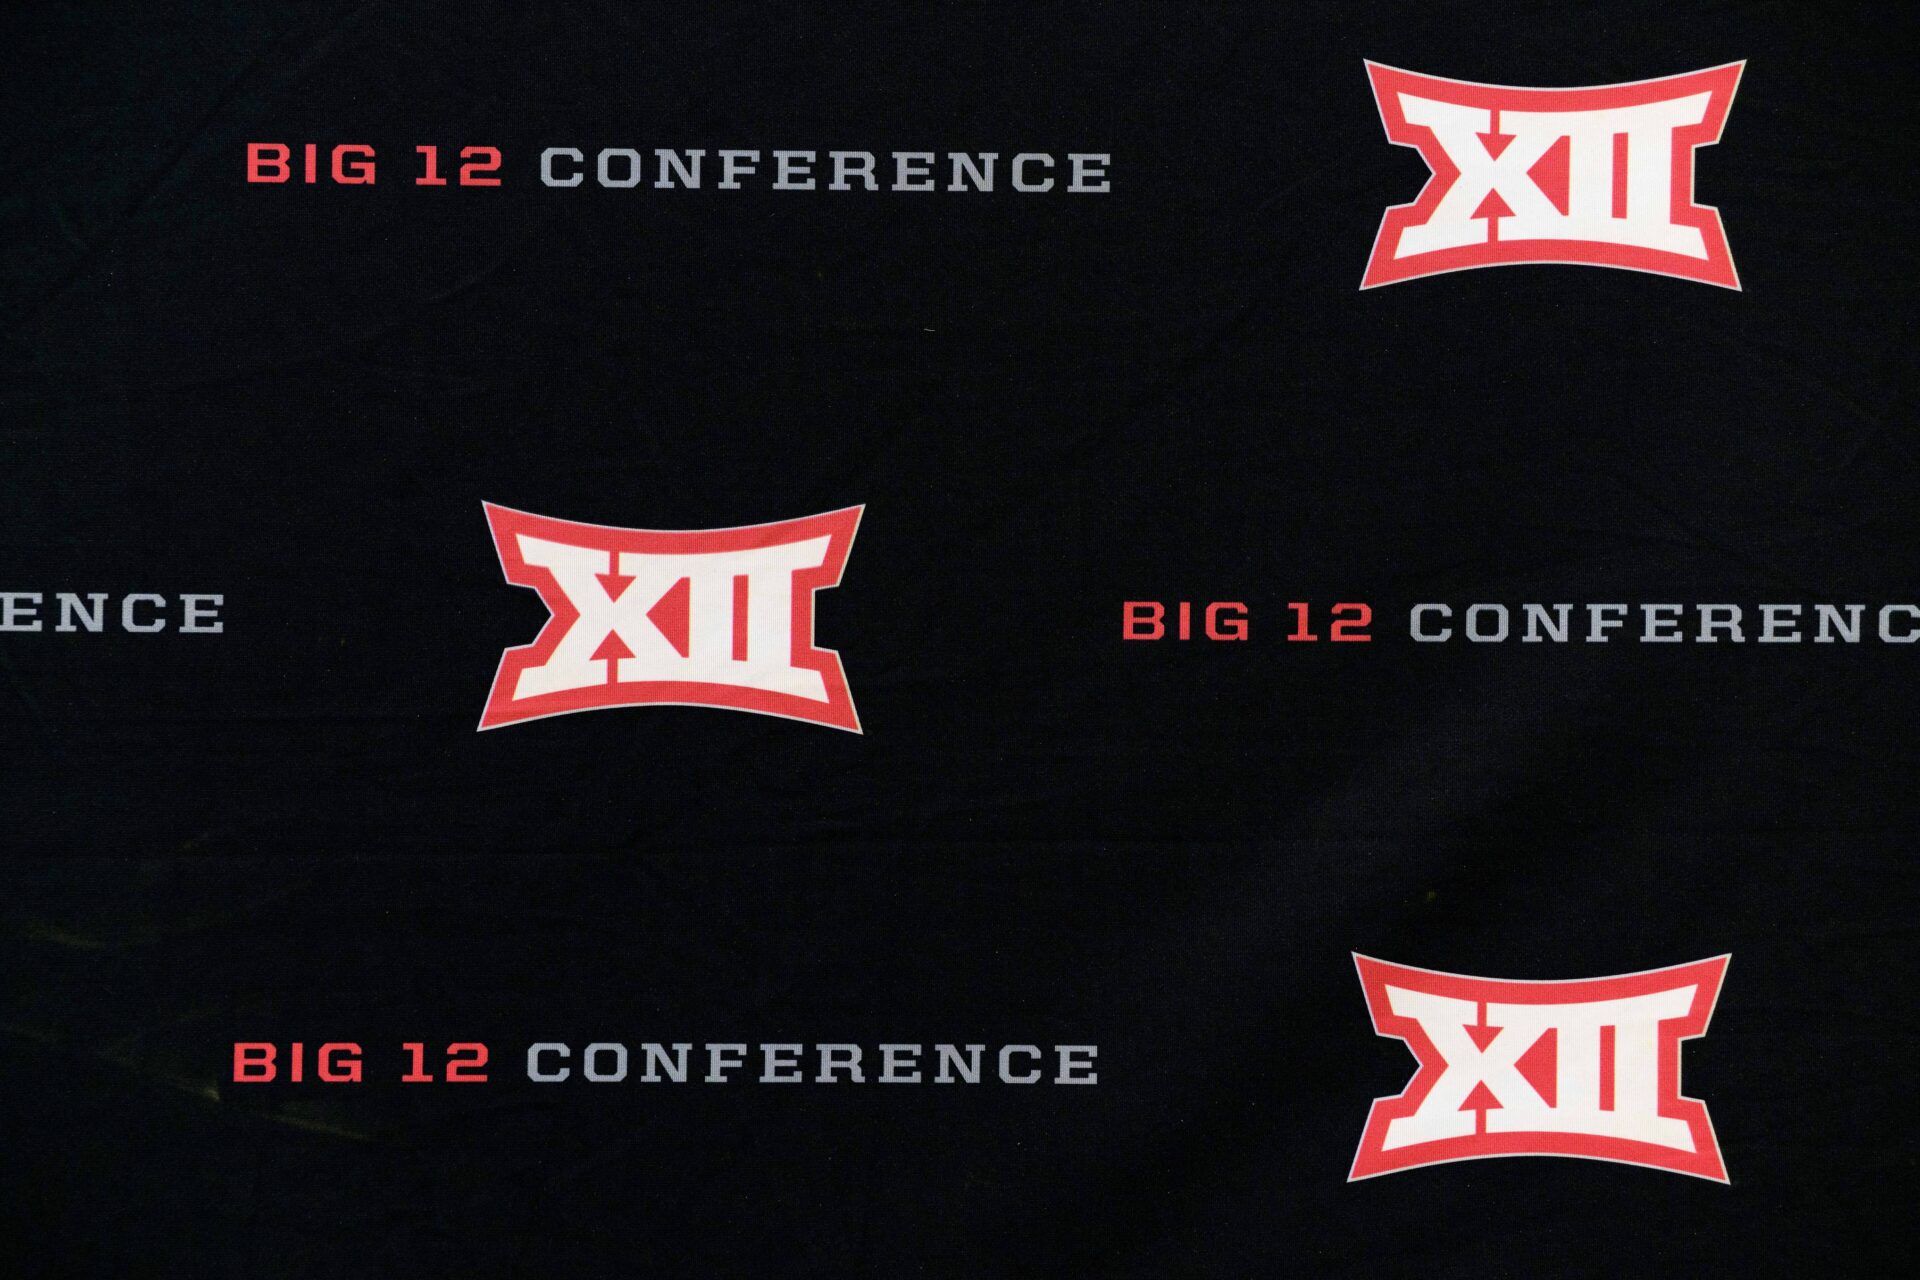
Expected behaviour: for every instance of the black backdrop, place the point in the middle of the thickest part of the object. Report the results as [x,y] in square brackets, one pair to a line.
[299,397]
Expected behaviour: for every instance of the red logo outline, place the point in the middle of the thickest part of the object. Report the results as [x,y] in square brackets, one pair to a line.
[1716,268]
[1373,1159]
[505,523]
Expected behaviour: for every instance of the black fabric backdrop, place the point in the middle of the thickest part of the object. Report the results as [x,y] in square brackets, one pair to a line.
[299,397]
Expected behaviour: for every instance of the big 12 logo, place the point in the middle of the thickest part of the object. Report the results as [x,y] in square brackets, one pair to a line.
[1589,1068]
[694,617]
[1601,176]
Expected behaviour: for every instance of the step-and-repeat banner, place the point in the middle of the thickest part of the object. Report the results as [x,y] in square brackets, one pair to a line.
[1133,640]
